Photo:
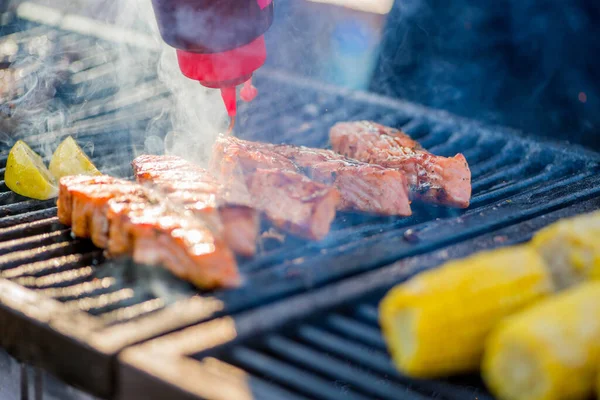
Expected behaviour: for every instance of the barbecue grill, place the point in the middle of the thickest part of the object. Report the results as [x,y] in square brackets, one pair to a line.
[304,323]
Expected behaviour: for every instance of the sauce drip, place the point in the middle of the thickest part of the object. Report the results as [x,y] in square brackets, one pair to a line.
[229,98]
[231,126]
[248,91]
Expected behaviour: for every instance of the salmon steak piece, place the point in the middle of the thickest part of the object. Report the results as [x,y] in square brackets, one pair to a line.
[195,189]
[155,234]
[232,156]
[83,200]
[116,214]
[431,178]
[294,203]
[362,187]
[274,185]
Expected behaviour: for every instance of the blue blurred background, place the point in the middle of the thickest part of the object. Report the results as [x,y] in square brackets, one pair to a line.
[530,64]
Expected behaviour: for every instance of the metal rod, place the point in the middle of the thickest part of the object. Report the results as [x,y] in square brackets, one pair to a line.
[38,384]
[24,382]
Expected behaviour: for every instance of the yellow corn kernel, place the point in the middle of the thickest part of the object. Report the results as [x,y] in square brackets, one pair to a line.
[571,249]
[549,351]
[435,324]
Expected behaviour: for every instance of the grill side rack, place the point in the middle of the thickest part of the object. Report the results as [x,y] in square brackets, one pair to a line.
[65,308]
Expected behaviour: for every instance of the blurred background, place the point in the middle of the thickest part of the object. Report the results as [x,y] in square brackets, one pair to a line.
[528,64]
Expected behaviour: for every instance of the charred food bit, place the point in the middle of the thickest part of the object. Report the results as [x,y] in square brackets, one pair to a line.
[431,178]
[436,323]
[550,351]
[198,191]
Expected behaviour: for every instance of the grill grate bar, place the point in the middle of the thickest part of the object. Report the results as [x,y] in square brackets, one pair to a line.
[377,361]
[96,304]
[539,191]
[416,127]
[131,312]
[143,92]
[456,141]
[50,265]
[78,290]
[36,240]
[368,313]
[24,206]
[474,154]
[88,61]
[438,136]
[501,191]
[259,388]
[56,279]
[32,216]
[290,376]
[511,174]
[354,329]
[17,258]
[334,369]
[511,154]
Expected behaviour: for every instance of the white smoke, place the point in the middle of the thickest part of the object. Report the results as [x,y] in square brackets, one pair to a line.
[197,114]
[128,29]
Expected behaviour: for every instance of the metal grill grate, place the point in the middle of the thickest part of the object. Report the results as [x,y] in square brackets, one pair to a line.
[105,306]
[323,345]
[512,179]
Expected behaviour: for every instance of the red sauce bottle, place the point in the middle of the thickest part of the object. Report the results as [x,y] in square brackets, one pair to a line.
[219,43]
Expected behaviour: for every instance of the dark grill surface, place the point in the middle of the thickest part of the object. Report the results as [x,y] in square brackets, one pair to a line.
[324,345]
[514,179]
[343,354]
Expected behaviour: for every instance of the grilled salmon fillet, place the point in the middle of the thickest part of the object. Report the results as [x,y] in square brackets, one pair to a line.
[362,187]
[122,217]
[156,234]
[431,178]
[230,153]
[273,184]
[293,202]
[198,191]
[83,201]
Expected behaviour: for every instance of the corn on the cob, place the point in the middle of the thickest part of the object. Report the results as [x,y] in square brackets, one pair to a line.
[548,352]
[571,249]
[436,323]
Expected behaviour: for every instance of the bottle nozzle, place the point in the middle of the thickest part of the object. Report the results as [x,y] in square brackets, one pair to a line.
[229,98]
